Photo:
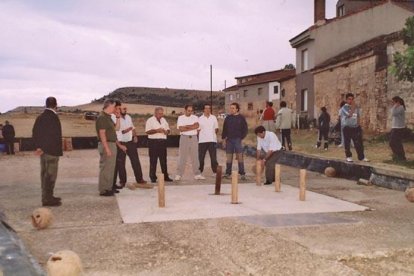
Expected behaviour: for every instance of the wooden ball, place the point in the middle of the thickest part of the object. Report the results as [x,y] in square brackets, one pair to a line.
[64,263]
[330,172]
[131,186]
[42,218]
[409,194]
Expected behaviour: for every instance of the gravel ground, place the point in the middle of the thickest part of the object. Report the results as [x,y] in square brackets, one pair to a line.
[377,242]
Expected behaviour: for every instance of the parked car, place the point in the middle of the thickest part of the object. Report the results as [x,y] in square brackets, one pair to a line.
[91,115]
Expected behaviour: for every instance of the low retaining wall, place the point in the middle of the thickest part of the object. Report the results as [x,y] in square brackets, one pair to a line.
[351,171]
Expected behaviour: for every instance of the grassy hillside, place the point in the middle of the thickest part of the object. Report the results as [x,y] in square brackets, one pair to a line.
[166,97]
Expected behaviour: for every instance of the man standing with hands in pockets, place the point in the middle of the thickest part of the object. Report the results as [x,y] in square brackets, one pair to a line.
[105,129]
[127,145]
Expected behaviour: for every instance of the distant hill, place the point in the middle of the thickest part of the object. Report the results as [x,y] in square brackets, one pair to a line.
[166,97]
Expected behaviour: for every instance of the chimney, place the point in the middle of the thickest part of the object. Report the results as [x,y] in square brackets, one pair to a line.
[319,7]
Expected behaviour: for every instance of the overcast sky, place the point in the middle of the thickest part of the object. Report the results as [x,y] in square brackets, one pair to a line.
[81,50]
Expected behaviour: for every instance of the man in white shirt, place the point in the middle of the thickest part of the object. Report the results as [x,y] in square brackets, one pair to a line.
[268,150]
[207,138]
[188,125]
[127,140]
[157,129]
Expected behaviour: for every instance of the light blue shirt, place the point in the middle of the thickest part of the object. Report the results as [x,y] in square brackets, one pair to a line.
[348,119]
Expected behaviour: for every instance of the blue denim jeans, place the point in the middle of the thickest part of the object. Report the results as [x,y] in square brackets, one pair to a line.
[234,145]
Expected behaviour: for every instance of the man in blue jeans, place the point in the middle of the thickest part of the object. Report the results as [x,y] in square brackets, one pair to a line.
[234,131]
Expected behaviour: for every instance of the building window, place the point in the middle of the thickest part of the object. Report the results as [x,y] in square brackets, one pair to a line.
[237,95]
[304,100]
[250,106]
[245,93]
[305,60]
[230,97]
[259,91]
[275,89]
[340,11]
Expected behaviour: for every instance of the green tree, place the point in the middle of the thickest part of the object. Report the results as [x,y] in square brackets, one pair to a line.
[289,66]
[403,67]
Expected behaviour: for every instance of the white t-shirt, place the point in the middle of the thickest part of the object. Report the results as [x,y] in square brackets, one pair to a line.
[152,123]
[208,126]
[125,122]
[185,121]
[269,142]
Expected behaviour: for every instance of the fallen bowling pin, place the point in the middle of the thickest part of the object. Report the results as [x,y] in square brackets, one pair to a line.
[42,218]
[64,263]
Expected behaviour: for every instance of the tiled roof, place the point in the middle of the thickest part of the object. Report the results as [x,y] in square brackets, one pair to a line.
[279,75]
[360,49]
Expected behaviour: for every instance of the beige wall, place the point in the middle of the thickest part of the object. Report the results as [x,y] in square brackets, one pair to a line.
[344,33]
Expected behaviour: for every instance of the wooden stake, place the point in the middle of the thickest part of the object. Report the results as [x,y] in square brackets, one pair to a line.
[258,172]
[302,184]
[234,187]
[218,180]
[161,191]
[277,178]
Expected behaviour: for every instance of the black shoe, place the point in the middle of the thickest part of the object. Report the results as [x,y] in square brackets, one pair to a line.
[119,187]
[107,193]
[153,180]
[290,148]
[115,191]
[52,202]
[167,179]
[56,198]
[267,183]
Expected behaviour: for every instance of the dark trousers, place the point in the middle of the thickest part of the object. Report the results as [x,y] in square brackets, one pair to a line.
[286,137]
[354,134]
[323,134]
[270,164]
[120,162]
[9,146]
[157,149]
[48,175]
[202,150]
[234,145]
[396,144]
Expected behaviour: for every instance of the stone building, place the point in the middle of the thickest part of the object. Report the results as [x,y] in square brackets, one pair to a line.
[363,70]
[252,91]
[356,23]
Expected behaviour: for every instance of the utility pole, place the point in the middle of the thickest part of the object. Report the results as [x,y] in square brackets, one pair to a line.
[211,87]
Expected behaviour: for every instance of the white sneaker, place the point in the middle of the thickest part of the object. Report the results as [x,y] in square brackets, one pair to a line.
[177,177]
[340,146]
[349,159]
[365,159]
[214,175]
[199,177]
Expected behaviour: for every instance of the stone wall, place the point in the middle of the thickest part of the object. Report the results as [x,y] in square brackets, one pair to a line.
[290,94]
[373,89]
[359,77]
[403,89]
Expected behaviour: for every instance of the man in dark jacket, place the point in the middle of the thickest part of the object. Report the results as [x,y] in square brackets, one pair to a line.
[234,131]
[47,137]
[324,123]
[8,135]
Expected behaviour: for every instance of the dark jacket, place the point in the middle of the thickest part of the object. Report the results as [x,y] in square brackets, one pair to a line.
[47,133]
[8,132]
[235,126]
[324,121]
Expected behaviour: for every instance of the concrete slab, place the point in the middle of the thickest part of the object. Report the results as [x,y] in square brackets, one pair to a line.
[196,202]
[285,220]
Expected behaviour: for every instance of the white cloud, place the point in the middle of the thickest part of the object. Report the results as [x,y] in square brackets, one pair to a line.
[81,50]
